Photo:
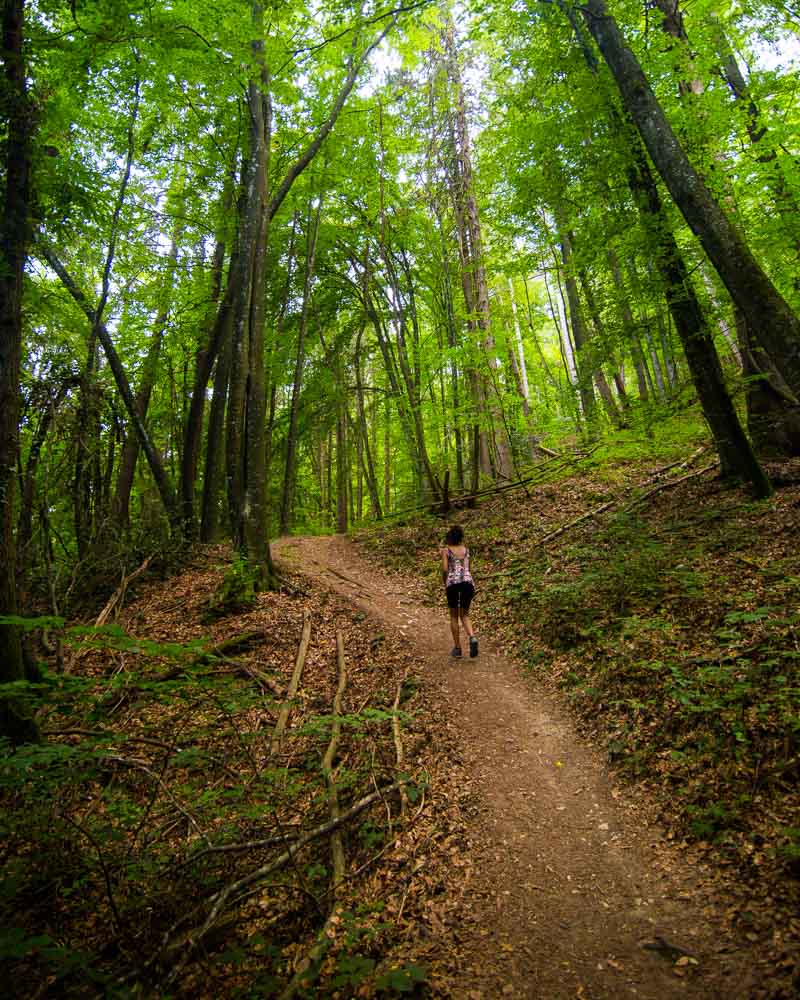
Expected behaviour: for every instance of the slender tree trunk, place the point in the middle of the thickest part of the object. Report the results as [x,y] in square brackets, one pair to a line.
[215,435]
[387,461]
[577,324]
[86,438]
[369,468]
[163,484]
[15,722]
[666,347]
[218,326]
[600,380]
[341,471]
[520,370]
[25,523]
[312,231]
[473,265]
[147,380]
[534,336]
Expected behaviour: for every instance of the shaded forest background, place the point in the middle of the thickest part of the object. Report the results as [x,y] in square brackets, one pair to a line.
[302,268]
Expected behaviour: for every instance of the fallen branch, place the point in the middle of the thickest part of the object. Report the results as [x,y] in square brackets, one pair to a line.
[119,594]
[276,743]
[668,484]
[111,735]
[556,533]
[337,849]
[237,848]
[262,678]
[220,650]
[398,744]
[576,521]
[218,900]
[677,465]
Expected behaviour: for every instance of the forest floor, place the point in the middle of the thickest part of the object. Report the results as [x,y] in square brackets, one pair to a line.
[604,803]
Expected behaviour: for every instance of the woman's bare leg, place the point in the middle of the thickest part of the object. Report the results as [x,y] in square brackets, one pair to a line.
[466,623]
[454,626]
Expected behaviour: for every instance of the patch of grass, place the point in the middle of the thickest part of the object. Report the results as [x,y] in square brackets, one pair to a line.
[599,587]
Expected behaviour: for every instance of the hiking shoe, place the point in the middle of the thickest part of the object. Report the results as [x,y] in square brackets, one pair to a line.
[473,647]
[455,651]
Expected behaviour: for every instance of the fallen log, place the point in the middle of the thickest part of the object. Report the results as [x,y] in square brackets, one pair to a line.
[220,650]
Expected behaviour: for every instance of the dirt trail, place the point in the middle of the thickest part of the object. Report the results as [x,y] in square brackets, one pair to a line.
[572,885]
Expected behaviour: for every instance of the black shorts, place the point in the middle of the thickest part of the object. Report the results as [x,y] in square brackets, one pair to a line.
[459,595]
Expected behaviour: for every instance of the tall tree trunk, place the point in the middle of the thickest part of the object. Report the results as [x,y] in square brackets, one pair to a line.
[86,439]
[15,722]
[577,324]
[473,264]
[387,460]
[215,435]
[600,380]
[312,232]
[761,303]
[216,326]
[534,336]
[341,468]
[247,396]
[25,524]
[369,468]
[147,380]
[520,369]
[666,347]
[628,325]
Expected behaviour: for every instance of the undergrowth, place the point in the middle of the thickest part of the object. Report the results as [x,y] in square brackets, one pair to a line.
[157,784]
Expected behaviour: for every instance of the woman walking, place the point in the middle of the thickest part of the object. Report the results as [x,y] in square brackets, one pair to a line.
[459,587]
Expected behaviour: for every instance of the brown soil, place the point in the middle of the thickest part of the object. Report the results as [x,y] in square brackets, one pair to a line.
[572,891]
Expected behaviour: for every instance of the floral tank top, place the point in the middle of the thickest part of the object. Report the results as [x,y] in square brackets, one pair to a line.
[458,569]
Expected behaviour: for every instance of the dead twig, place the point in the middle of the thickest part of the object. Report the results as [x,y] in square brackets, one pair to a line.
[398,744]
[119,594]
[276,744]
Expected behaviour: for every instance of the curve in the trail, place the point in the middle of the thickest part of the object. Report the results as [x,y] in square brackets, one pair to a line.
[577,896]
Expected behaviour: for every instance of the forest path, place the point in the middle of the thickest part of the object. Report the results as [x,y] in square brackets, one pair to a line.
[571,881]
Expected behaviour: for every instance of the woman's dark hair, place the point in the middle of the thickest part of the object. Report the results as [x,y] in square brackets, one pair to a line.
[455,535]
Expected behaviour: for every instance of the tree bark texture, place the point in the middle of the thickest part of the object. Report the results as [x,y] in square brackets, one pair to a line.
[14,720]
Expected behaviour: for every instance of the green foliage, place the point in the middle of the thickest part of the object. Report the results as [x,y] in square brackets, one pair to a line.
[406,979]
[237,591]
[601,585]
